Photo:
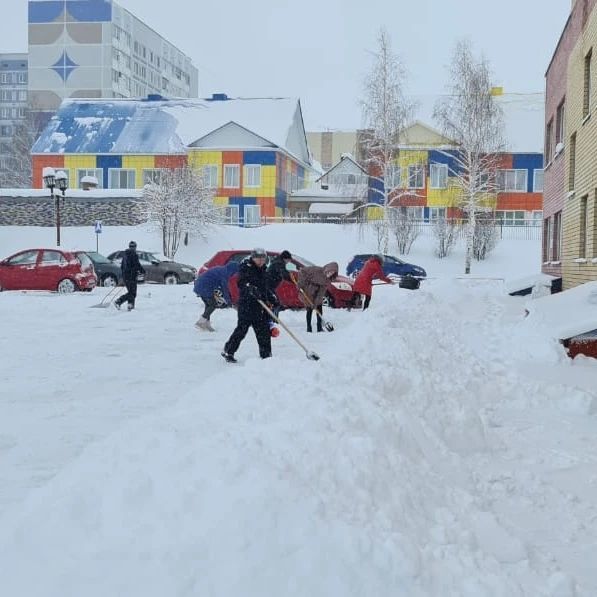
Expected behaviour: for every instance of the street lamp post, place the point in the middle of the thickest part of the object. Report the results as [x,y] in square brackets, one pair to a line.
[52,180]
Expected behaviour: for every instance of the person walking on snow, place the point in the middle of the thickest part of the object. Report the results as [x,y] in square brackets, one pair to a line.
[131,268]
[212,288]
[278,272]
[372,270]
[313,281]
[253,287]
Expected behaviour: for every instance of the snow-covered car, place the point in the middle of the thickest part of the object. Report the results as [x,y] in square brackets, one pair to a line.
[339,294]
[160,270]
[47,269]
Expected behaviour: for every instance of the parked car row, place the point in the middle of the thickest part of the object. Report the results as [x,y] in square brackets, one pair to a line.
[340,293]
[69,271]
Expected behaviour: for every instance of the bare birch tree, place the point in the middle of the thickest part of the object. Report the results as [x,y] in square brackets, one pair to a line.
[16,172]
[470,116]
[179,203]
[386,114]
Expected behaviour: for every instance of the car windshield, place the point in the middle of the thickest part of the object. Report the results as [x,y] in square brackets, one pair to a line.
[96,257]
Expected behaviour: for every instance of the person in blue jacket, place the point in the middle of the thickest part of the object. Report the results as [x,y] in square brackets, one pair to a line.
[212,288]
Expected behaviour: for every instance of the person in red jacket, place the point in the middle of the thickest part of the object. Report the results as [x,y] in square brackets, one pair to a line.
[372,270]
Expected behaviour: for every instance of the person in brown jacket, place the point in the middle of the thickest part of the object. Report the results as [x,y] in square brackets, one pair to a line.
[313,281]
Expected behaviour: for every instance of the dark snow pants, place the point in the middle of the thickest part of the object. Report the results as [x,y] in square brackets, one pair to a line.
[367,301]
[262,333]
[210,306]
[131,295]
[319,321]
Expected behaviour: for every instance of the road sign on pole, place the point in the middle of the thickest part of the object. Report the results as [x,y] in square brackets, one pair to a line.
[98,231]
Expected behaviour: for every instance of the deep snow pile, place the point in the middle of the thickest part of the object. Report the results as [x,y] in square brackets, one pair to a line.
[417,458]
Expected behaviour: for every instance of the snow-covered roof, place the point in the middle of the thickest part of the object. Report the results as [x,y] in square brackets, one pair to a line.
[340,209]
[524,121]
[337,193]
[567,314]
[164,126]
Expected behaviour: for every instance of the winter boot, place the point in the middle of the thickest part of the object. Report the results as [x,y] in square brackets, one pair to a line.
[117,305]
[203,324]
[229,358]
[130,307]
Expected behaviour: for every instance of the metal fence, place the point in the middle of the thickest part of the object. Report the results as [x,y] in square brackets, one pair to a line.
[519,230]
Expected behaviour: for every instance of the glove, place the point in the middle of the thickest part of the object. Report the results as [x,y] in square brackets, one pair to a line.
[272,298]
[219,298]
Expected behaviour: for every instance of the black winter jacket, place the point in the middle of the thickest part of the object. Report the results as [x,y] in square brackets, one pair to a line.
[130,266]
[276,272]
[253,286]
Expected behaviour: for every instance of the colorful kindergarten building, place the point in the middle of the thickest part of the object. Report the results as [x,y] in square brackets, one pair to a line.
[253,152]
[424,179]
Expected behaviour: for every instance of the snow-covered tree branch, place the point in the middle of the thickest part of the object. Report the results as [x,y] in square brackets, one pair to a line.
[386,114]
[179,203]
[470,116]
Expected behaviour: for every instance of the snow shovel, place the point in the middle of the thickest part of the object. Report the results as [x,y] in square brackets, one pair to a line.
[312,356]
[326,324]
[108,298]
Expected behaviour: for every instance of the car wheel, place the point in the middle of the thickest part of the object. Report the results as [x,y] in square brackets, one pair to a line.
[109,281]
[328,301]
[171,279]
[66,286]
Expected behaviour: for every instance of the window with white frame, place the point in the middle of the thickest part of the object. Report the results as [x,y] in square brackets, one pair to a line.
[416,176]
[394,176]
[210,176]
[514,181]
[152,176]
[121,178]
[438,173]
[231,214]
[252,175]
[22,77]
[537,218]
[538,181]
[511,218]
[252,215]
[4,112]
[437,213]
[6,78]
[97,172]
[231,176]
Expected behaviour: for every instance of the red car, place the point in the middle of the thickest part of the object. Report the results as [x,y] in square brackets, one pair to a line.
[47,269]
[339,295]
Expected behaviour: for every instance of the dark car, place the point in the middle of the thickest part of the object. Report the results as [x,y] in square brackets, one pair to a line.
[393,267]
[339,295]
[158,270]
[108,273]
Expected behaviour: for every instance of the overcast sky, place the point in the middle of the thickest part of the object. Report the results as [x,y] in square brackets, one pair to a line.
[318,50]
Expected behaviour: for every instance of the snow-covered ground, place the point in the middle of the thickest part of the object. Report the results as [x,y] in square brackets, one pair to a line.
[442,446]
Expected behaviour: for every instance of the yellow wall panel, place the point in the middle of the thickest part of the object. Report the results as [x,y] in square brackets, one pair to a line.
[138,163]
[198,157]
[374,213]
[268,184]
[220,201]
[443,197]
[80,161]
[409,157]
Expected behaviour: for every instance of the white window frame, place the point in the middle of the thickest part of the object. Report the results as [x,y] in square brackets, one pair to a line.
[438,174]
[209,172]
[395,176]
[537,217]
[235,182]
[255,218]
[6,78]
[437,213]
[5,113]
[120,171]
[504,180]
[232,214]
[508,217]
[416,170]
[250,170]
[151,174]
[97,172]
[22,77]
[535,172]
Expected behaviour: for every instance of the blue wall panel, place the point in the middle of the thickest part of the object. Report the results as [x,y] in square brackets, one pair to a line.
[265,158]
[46,11]
[529,162]
[106,162]
[439,157]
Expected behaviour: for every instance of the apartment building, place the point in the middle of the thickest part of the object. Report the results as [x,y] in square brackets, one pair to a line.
[574,161]
[98,49]
[13,101]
